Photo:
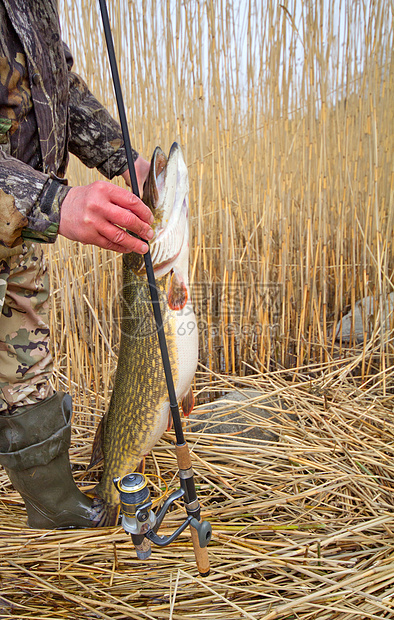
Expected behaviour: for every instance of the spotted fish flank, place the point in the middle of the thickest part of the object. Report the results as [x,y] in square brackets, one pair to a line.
[139,409]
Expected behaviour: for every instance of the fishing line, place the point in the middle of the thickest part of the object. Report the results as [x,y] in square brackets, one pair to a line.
[163,494]
[200,531]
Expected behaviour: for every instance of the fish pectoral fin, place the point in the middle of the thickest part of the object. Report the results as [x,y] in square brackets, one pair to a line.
[187,403]
[97,456]
[177,292]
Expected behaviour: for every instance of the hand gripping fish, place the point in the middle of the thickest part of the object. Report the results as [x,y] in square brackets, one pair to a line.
[139,413]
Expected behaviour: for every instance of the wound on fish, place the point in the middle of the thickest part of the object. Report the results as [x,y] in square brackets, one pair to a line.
[177,292]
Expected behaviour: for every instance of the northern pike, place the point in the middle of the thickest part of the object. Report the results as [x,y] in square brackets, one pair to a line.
[139,412]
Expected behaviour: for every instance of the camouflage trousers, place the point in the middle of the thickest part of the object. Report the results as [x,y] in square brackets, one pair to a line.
[25,359]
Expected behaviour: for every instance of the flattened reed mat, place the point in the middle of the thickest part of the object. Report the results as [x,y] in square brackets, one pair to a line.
[303,526]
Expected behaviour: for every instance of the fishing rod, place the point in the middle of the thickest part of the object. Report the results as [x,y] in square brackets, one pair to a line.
[138,519]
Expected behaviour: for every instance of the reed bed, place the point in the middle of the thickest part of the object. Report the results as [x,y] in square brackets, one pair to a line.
[303,527]
[285,115]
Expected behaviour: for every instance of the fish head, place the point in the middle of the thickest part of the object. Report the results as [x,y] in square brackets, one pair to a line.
[166,191]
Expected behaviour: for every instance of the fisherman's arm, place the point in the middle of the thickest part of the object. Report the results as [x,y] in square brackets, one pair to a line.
[37,207]
[29,203]
[103,208]
[95,137]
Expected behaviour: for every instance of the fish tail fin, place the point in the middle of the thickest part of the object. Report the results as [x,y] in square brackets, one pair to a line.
[105,514]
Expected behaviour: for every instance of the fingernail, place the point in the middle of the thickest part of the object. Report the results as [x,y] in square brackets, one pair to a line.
[150,234]
[151,219]
[145,248]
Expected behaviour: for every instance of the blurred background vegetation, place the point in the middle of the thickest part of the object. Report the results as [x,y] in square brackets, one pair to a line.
[285,115]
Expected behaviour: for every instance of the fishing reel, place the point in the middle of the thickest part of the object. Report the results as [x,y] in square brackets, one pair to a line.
[139,520]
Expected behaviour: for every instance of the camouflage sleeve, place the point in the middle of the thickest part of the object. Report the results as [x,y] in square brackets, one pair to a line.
[29,203]
[95,137]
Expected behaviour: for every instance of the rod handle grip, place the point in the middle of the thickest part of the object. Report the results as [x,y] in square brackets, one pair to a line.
[183,456]
[201,553]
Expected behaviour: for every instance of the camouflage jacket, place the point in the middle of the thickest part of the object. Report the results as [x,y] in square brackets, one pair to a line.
[46,111]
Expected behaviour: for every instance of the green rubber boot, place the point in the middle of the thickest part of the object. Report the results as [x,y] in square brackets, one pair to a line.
[34,452]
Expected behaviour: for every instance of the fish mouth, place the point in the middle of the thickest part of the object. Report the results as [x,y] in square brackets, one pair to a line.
[166,193]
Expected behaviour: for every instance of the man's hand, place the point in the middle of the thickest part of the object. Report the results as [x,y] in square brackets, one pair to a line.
[141,172]
[98,213]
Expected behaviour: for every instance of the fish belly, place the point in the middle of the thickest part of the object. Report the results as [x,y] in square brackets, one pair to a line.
[186,346]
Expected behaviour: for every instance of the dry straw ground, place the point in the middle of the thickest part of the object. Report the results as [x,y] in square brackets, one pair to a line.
[303,528]
[285,116]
